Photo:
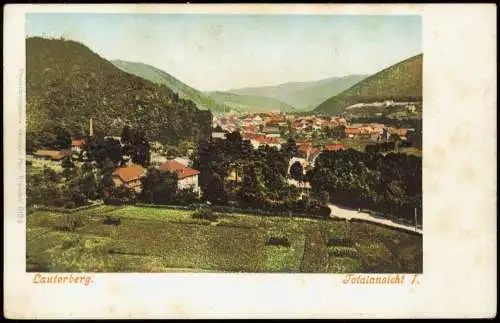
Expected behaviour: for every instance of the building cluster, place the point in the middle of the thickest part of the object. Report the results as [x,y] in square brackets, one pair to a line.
[271,129]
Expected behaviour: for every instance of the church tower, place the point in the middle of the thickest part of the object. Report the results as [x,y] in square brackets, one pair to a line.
[91,130]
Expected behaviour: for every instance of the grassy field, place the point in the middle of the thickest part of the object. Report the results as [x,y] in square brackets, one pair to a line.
[164,240]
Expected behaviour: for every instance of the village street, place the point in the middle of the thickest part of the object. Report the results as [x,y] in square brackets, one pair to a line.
[346,213]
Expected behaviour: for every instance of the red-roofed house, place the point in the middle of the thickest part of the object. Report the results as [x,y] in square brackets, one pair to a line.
[129,177]
[77,145]
[334,147]
[352,132]
[187,178]
[261,140]
[55,155]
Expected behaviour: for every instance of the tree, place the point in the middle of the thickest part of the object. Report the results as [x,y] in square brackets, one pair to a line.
[68,167]
[159,187]
[324,197]
[290,148]
[297,171]
[107,185]
[126,136]
[63,138]
[113,150]
[214,191]
[250,192]
[396,140]
[339,132]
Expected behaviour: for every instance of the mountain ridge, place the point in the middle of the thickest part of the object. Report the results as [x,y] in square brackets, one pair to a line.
[304,95]
[159,76]
[400,82]
[67,84]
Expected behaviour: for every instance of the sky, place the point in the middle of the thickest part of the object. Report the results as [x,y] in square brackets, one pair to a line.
[229,51]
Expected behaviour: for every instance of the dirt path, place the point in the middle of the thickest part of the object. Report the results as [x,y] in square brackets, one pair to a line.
[344,213]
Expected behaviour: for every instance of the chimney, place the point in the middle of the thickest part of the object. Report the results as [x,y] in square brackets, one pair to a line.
[91,130]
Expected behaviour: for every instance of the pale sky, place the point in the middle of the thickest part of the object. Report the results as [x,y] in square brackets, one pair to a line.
[227,51]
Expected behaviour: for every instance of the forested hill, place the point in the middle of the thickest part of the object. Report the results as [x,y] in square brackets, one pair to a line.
[399,82]
[67,83]
[156,75]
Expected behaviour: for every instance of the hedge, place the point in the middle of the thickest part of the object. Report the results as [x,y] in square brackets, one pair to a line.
[63,210]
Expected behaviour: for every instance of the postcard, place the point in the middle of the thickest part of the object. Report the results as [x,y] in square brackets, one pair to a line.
[239,161]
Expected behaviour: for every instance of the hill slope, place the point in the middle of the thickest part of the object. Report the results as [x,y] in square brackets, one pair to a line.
[155,75]
[304,95]
[250,103]
[67,83]
[399,82]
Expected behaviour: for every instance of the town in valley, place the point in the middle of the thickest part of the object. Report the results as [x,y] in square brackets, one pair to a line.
[129,169]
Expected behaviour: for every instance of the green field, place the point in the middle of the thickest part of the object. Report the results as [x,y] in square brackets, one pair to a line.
[165,240]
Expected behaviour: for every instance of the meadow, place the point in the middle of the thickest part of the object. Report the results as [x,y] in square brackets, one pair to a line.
[167,240]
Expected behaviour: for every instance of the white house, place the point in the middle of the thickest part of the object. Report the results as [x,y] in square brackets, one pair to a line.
[77,145]
[219,135]
[187,178]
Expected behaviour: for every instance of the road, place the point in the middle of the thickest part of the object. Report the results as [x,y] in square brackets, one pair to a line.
[345,213]
[340,212]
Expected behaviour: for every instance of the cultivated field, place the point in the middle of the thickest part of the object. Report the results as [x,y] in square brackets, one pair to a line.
[165,240]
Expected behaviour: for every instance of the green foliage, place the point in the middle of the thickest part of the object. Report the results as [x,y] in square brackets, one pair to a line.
[278,241]
[158,186]
[297,171]
[67,84]
[388,184]
[399,82]
[205,214]
[237,246]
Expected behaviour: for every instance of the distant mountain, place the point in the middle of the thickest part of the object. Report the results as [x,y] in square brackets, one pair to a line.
[67,83]
[399,82]
[250,103]
[156,75]
[304,95]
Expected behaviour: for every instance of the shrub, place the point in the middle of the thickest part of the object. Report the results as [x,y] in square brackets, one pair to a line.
[205,215]
[278,241]
[324,211]
[70,205]
[343,252]
[344,242]
[112,221]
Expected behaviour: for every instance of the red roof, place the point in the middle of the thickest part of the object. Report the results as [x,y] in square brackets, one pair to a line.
[352,131]
[77,142]
[334,147]
[129,173]
[250,135]
[181,170]
[267,140]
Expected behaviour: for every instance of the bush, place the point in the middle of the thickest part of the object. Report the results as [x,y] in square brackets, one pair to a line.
[112,221]
[205,215]
[343,242]
[70,205]
[343,252]
[186,197]
[278,241]
[324,211]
